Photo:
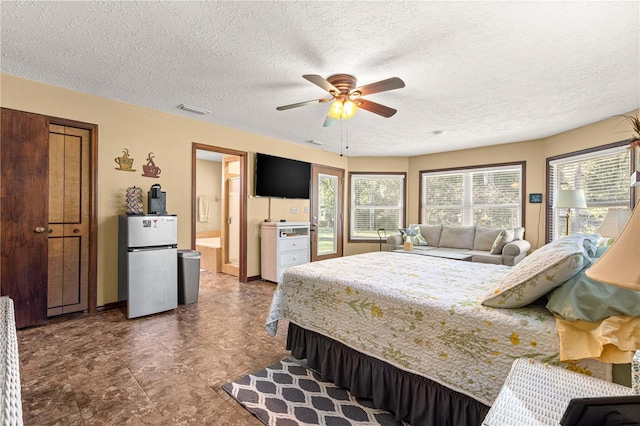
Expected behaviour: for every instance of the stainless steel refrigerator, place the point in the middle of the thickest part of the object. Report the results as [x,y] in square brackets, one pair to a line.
[148,263]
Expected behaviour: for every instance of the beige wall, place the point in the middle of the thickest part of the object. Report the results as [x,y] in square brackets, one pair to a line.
[170,138]
[209,185]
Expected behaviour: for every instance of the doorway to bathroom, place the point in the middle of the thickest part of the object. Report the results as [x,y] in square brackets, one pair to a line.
[219,225]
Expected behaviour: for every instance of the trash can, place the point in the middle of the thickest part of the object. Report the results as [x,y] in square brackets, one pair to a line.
[188,276]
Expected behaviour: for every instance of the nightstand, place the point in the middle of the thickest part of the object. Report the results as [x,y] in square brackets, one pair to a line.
[538,394]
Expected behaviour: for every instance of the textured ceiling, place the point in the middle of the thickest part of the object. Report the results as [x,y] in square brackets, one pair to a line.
[484,72]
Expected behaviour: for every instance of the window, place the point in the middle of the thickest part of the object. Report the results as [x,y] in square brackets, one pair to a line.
[603,175]
[377,202]
[488,196]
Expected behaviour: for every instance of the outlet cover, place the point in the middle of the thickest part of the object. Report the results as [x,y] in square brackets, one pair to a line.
[294,210]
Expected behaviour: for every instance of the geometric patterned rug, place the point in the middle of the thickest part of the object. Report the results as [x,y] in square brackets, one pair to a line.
[288,394]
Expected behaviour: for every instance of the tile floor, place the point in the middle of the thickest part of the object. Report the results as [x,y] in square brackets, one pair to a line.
[165,369]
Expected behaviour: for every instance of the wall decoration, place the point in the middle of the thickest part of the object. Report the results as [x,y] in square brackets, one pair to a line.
[125,163]
[134,200]
[150,169]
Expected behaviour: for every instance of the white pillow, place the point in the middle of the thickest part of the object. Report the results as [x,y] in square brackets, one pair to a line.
[540,272]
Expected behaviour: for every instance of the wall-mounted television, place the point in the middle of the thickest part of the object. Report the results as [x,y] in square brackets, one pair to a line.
[282,177]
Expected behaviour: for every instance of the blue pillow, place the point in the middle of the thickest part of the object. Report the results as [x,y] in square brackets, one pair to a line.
[581,298]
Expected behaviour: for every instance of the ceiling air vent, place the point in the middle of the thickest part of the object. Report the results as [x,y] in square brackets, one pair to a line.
[196,110]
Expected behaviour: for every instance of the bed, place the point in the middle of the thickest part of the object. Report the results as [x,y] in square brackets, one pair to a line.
[411,332]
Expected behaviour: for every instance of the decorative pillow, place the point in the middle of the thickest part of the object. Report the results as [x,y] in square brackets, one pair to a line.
[591,243]
[518,233]
[502,240]
[413,234]
[540,272]
[485,238]
[582,298]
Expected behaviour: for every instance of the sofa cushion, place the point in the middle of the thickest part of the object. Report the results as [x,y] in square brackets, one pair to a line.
[431,233]
[542,271]
[482,256]
[505,238]
[485,237]
[413,234]
[457,236]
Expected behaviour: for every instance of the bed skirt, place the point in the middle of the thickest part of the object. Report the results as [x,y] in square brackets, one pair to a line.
[410,397]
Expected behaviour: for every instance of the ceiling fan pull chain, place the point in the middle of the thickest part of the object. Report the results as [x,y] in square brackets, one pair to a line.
[340,138]
[347,147]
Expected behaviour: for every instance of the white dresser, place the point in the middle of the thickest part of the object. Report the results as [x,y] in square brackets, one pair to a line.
[284,244]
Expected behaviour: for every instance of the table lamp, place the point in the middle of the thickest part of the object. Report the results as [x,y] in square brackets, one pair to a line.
[620,266]
[614,222]
[569,199]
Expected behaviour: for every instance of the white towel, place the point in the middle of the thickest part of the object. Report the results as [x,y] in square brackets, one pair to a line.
[203,209]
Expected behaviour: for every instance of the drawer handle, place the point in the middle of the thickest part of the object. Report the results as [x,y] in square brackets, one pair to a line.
[75,231]
[294,244]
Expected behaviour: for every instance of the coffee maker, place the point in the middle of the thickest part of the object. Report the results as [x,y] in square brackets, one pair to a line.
[157,200]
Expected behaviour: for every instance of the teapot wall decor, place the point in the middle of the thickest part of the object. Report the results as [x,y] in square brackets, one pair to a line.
[150,169]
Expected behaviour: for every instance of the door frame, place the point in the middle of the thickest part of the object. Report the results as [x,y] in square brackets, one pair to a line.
[242,258]
[92,290]
[313,211]
[93,205]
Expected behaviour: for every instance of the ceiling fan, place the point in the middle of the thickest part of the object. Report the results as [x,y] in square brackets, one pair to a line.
[348,98]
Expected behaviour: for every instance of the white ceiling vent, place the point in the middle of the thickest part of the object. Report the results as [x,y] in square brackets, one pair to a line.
[190,108]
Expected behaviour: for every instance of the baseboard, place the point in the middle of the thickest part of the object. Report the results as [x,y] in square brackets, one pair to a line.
[113,305]
[254,278]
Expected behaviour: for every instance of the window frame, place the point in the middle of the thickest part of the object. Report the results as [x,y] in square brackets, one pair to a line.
[470,169]
[403,212]
[587,153]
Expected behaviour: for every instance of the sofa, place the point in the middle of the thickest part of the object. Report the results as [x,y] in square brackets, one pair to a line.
[485,245]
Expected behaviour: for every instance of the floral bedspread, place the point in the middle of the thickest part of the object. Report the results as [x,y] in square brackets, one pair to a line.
[422,314]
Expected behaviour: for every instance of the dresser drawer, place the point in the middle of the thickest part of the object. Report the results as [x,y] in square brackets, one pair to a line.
[295,257]
[293,243]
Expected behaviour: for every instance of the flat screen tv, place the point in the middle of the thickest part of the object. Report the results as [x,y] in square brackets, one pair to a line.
[282,177]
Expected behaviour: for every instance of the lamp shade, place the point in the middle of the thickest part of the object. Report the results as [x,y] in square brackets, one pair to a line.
[620,264]
[571,198]
[614,222]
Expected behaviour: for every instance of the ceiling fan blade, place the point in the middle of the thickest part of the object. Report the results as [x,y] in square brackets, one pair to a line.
[375,108]
[299,104]
[322,83]
[380,86]
[329,121]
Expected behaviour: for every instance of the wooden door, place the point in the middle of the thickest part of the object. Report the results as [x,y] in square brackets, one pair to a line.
[231,215]
[24,212]
[327,186]
[69,219]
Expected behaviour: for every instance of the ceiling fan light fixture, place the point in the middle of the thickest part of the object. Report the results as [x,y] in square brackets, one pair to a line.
[342,110]
[349,109]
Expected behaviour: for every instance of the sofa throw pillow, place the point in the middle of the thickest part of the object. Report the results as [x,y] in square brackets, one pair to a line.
[497,241]
[518,233]
[540,272]
[413,234]
[502,240]
[582,298]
